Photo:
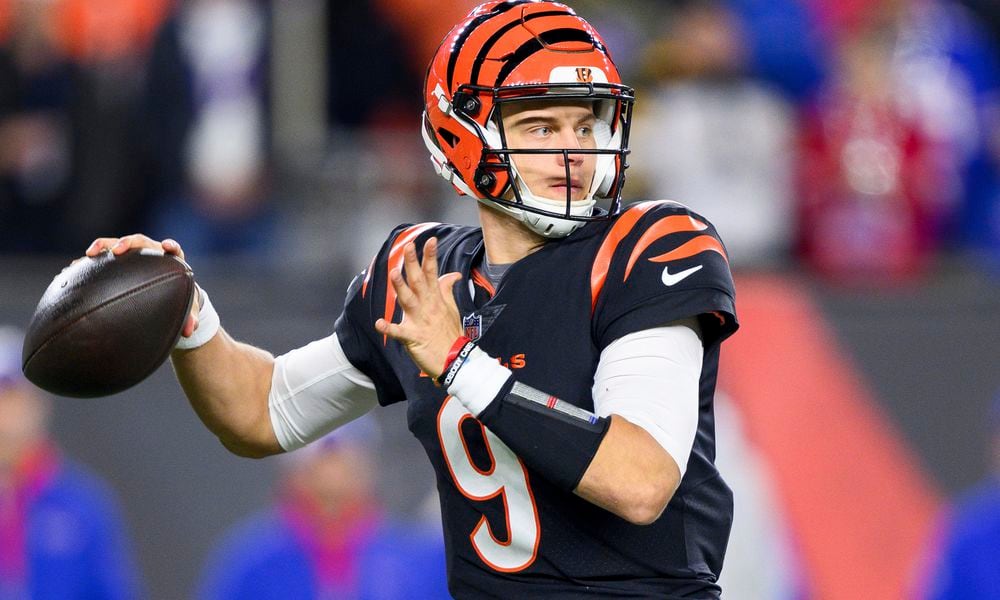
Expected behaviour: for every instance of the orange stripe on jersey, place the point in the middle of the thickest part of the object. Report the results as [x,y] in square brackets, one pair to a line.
[702,243]
[396,261]
[602,262]
[661,229]
[483,282]
[368,276]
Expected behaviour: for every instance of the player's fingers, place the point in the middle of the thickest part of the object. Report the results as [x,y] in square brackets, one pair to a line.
[411,265]
[190,325]
[430,266]
[392,330]
[170,246]
[404,294]
[195,305]
[136,240]
[100,245]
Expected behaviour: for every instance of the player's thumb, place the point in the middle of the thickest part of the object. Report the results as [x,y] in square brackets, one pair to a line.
[446,283]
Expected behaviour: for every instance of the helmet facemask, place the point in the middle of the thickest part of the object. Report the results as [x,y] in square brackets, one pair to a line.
[502,185]
[508,51]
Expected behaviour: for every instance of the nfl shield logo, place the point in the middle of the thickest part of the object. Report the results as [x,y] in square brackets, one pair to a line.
[473,325]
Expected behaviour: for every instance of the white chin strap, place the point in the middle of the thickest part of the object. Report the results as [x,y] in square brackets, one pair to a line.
[550,226]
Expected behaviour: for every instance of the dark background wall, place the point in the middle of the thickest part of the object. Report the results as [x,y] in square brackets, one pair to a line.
[932,355]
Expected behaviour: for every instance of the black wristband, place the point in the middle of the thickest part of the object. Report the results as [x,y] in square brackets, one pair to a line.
[444,379]
[553,437]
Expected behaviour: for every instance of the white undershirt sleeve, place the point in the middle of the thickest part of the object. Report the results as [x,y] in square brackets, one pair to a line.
[651,378]
[315,389]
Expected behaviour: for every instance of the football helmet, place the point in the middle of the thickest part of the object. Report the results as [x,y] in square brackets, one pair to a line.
[516,50]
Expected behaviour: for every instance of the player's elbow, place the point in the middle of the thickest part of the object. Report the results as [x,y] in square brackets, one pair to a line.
[247,449]
[646,496]
[646,503]
[255,439]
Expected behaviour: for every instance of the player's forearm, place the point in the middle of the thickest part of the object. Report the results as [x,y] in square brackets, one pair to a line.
[227,383]
[606,461]
[631,475]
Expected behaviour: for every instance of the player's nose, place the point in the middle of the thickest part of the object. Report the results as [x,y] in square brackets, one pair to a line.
[574,159]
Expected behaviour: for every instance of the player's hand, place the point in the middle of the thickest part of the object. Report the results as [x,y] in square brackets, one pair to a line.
[431,322]
[118,246]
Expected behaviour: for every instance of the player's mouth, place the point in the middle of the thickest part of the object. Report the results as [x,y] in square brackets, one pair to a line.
[575,186]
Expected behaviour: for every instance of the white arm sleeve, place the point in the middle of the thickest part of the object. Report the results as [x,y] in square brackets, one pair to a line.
[315,389]
[651,378]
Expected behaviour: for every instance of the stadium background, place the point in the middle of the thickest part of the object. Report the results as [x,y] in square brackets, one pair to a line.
[856,399]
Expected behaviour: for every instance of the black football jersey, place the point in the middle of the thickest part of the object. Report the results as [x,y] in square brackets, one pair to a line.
[509,533]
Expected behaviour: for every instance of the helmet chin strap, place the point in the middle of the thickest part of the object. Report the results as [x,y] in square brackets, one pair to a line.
[550,225]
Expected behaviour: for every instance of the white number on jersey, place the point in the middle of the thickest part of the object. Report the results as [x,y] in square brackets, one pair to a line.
[506,477]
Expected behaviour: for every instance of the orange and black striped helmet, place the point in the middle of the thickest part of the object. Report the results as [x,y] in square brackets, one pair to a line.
[515,50]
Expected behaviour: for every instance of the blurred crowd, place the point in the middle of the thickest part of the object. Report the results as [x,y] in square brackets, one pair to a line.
[859,139]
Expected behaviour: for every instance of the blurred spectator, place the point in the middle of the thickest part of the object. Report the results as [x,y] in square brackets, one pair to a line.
[897,147]
[61,534]
[968,560]
[373,80]
[709,136]
[326,536]
[207,127]
[68,73]
[36,130]
[784,45]
[869,173]
[422,24]
[109,41]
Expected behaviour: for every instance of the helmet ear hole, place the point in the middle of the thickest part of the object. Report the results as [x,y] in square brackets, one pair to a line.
[449,138]
[467,104]
[485,181]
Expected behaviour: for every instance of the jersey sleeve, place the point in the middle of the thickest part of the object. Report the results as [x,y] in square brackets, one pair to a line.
[370,297]
[660,263]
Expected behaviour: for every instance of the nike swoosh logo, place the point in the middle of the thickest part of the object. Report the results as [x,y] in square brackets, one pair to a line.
[671,279]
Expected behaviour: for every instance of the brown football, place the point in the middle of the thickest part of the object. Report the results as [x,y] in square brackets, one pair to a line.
[106,323]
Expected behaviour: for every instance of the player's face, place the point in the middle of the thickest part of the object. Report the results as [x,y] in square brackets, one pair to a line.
[545,124]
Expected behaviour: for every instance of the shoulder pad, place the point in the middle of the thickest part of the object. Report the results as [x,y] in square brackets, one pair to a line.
[659,232]
[664,257]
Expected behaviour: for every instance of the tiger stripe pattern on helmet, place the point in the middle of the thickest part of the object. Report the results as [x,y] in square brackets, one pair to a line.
[509,50]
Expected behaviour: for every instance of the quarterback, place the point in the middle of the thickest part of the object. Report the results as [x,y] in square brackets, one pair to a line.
[558,363]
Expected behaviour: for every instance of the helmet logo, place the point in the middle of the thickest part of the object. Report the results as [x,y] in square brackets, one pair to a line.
[581,74]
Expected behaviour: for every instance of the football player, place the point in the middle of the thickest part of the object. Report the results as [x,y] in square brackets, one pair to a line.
[558,362]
